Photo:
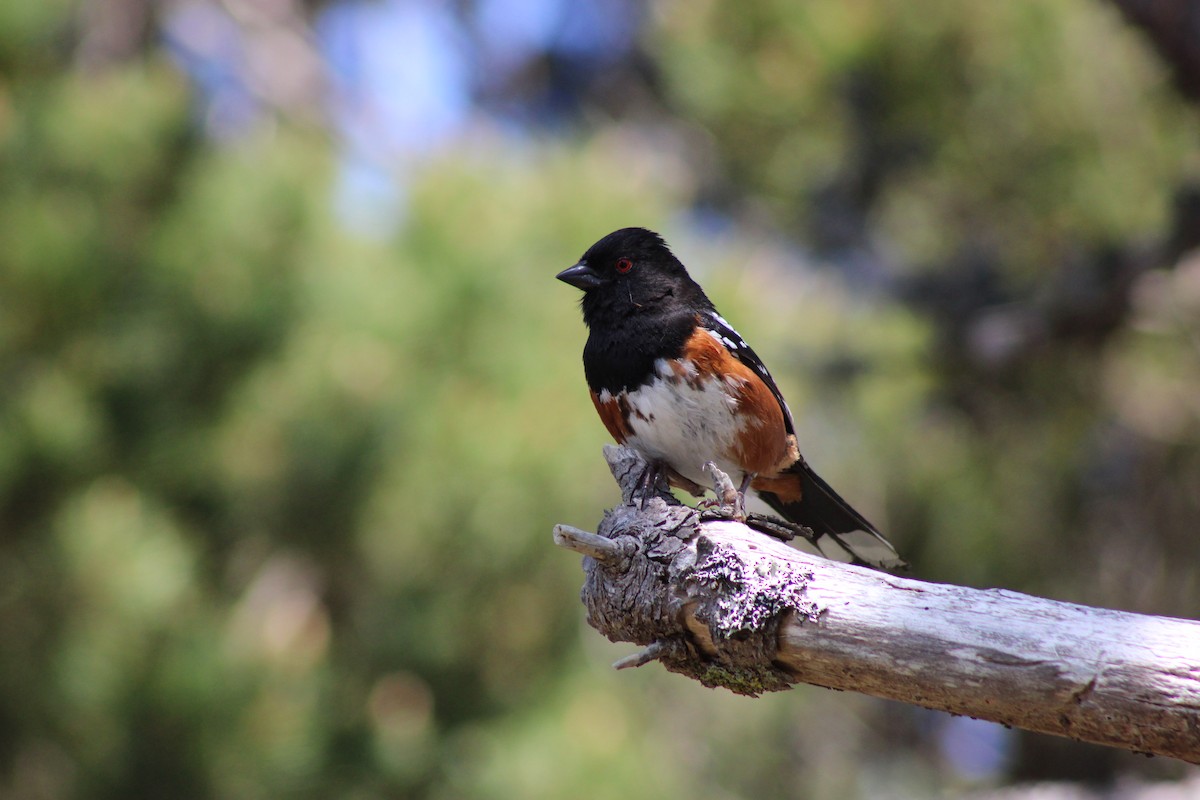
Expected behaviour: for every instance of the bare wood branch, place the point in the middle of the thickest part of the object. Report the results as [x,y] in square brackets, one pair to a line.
[731,607]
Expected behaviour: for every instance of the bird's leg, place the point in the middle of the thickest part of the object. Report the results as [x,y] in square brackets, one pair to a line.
[648,483]
[731,501]
[727,507]
[739,506]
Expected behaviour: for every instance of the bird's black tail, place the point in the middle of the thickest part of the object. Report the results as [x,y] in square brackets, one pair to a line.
[832,520]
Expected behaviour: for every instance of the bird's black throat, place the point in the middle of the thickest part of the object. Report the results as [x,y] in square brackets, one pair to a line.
[620,352]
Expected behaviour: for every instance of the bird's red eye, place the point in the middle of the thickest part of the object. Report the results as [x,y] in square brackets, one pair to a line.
[624,265]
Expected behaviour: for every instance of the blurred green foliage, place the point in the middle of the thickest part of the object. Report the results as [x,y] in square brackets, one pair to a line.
[1027,126]
[275,502]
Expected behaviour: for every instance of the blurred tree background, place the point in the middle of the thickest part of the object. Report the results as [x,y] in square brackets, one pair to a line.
[289,398]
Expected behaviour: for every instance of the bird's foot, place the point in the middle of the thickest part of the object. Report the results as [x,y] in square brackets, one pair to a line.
[730,502]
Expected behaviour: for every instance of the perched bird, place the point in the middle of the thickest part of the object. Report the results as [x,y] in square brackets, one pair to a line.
[674,381]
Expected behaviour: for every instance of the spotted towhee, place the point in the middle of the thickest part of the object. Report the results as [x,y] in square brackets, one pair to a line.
[673,380]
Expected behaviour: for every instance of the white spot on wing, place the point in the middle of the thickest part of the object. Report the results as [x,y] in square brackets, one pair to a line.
[726,335]
[724,341]
[720,319]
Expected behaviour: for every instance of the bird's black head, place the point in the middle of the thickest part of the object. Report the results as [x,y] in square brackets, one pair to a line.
[632,271]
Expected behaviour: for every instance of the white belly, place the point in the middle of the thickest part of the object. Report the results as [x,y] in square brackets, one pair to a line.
[686,422]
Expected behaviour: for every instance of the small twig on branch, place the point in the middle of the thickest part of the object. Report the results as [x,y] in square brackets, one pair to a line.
[642,657]
[732,607]
[587,543]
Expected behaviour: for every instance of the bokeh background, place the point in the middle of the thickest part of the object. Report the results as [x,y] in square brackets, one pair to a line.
[290,400]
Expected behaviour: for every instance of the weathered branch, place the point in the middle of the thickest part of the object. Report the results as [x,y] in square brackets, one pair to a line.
[735,608]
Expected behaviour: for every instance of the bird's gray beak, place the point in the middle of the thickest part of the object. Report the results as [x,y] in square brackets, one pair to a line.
[581,276]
